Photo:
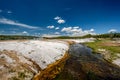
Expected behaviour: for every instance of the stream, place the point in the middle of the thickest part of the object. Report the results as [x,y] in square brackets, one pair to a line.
[80,49]
[84,65]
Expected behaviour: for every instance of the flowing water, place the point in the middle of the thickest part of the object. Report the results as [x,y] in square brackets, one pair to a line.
[84,65]
[82,50]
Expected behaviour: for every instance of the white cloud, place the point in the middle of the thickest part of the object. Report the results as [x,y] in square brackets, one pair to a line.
[57,33]
[50,27]
[57,28]
[75,31]
[9,12]
[61,21]
[57,18]
[112,31]
[11,22]
[92,30]
[25,32]
[67,29]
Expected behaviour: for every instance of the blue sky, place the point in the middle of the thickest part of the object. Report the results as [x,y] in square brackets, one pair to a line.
[59,17]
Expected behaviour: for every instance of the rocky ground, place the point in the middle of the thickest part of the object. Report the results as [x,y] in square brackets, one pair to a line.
[13,67]
[21,60]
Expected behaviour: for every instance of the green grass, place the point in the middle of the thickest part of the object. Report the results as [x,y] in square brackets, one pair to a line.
[16,37]
[98,44]
[14,78]
[21,75]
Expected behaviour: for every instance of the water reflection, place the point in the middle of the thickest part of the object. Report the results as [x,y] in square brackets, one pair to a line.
[79,50]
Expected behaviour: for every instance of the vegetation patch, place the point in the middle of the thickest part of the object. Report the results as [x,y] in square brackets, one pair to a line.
[108,35]
[16,37]
[106,47]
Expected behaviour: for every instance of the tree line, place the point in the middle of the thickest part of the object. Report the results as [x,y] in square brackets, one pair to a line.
[107,35]
[16,37]
[22,37]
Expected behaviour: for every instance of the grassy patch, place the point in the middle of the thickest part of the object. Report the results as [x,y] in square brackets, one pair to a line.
[11,70]
[102,44]
[14,78]
[21,75]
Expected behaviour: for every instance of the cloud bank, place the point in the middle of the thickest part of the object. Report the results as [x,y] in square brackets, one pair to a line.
[112,31]
[77,31]
[14,23]
[61,21]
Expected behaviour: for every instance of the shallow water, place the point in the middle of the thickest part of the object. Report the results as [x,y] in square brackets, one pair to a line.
[79,49]
[82,50]
[84,65]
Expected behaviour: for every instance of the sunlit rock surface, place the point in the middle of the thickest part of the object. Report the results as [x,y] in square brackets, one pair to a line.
[31,56]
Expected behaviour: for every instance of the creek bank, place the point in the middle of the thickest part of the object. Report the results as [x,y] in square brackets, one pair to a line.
[83,65]
[52,70]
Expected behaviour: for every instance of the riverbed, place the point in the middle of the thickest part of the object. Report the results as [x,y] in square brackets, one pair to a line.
[84,65]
